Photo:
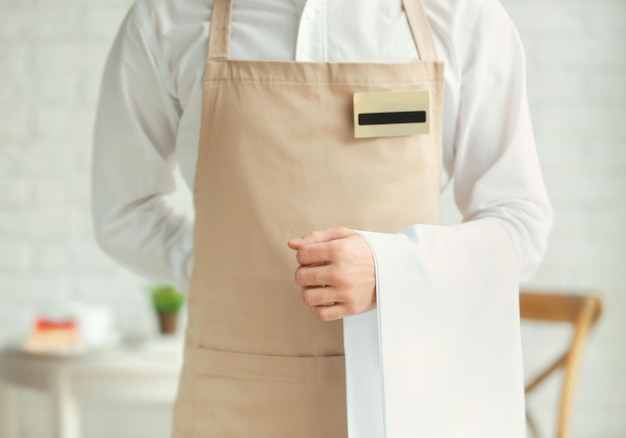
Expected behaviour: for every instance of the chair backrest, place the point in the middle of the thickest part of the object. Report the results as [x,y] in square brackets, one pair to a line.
[582,311]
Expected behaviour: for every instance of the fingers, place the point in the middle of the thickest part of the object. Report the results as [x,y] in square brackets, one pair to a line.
[325,303]
[331,313]
[324,253]
[319,253]
[320,296]
[341,260]
[312,276]
[320,236]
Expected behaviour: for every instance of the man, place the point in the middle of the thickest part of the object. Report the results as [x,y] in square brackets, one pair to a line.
[404,328]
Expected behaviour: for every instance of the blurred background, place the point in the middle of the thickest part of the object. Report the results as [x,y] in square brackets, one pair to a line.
[51,57]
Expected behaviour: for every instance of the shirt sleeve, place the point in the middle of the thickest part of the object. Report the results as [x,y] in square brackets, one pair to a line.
[497,174]
[134,160]
[446,327]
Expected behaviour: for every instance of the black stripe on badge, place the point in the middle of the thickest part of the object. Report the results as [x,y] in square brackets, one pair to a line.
[392,118]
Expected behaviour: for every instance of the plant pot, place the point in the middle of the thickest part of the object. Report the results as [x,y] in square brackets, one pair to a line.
[168,322]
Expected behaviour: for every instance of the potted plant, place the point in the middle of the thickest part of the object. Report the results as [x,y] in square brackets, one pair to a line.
[167,302]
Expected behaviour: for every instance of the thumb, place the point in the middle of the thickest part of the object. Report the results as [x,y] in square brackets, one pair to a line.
[320,236]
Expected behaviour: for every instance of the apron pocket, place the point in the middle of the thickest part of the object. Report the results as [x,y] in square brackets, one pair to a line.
[239,395]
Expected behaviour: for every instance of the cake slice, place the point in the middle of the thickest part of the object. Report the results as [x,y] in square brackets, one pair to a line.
[49,336]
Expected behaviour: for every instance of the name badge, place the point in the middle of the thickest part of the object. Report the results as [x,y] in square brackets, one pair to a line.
[391,114]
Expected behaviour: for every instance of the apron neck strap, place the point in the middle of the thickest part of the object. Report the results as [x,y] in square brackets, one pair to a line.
[219,34]
[420,26]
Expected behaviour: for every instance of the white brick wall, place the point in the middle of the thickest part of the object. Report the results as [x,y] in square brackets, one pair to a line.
[577,84]
[51,56]
[51,53]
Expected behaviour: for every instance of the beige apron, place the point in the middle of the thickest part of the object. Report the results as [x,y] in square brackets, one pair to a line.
[277,159]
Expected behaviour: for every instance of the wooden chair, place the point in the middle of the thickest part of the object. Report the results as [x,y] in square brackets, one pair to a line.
[582,311]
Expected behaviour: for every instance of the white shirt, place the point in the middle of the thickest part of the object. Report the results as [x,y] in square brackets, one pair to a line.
[149,120]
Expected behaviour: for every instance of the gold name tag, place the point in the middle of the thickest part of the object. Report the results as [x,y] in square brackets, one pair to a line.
[391,114]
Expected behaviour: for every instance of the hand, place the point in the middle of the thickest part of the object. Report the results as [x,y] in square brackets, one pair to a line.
[336,273]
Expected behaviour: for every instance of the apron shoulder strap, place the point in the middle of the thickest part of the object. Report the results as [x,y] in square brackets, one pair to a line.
[219,30]
[420,26]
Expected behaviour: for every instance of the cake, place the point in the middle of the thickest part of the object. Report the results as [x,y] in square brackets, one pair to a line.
[49,336]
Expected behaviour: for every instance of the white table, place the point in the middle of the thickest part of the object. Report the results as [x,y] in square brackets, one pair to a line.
[147,374]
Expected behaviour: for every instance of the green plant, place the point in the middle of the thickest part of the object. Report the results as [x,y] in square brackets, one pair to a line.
[167,299]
